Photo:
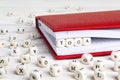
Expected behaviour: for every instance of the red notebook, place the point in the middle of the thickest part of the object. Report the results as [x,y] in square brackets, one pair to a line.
[71,35]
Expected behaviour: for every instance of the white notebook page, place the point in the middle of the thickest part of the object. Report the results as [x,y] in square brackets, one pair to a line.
[97,45]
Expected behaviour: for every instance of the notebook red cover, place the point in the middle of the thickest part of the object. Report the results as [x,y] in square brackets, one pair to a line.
[80,21]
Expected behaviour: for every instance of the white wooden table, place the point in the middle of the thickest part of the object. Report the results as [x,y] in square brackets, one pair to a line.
[22,8]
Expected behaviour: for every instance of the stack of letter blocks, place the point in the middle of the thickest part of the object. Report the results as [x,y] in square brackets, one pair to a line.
[73,42]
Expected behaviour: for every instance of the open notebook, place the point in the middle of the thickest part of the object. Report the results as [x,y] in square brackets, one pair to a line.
[70,35]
